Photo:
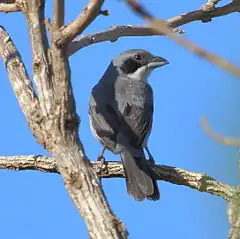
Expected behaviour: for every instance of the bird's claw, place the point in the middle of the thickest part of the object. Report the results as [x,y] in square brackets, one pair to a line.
[100,163]
[151,160]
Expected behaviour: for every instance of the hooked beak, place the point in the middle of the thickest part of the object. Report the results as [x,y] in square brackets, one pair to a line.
[157,62]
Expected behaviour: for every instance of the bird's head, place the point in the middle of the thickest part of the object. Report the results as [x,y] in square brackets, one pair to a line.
[137,64]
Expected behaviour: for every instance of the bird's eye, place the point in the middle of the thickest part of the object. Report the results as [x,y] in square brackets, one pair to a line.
[138,57]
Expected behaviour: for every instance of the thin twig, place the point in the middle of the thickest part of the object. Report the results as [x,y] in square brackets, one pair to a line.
[219,138]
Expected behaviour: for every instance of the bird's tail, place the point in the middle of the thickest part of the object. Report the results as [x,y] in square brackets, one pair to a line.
[139,181]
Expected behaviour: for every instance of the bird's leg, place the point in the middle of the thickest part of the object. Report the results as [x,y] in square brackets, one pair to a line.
[150,157]
[101,159]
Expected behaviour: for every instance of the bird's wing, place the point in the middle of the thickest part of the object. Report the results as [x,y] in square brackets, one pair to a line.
[137,119]
[104,122]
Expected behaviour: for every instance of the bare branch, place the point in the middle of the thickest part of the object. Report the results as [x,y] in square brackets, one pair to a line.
[12,5]
[58,15]
[234,215]
[116,32]
[18,76]
[80,179]
[219,138]
[162,27]
[9,7]
[89,13]
[200,15]
[84,187]
[113,169]
[39,42]
[111,35]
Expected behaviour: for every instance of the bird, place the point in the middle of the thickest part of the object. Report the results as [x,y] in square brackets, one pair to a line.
[121,115]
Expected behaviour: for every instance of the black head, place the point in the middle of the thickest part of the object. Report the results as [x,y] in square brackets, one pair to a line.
[138,63]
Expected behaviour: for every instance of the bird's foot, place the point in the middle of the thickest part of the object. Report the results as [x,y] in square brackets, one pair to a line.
[151,160]
[100,163]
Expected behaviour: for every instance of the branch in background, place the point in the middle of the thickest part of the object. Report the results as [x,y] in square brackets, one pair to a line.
[89,13]
[59,12]
[112,169]
[116,32]
[209,5]
[162,27]
[219,138]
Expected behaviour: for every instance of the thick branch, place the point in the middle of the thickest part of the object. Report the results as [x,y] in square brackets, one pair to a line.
[18,76]
[89,13]
[80,180]
[85,189]
[112,169]
[234,215]
[116,32]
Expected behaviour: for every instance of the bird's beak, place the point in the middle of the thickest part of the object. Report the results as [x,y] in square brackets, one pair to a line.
[157,61]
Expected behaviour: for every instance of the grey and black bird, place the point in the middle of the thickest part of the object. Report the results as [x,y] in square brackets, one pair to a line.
[121,116]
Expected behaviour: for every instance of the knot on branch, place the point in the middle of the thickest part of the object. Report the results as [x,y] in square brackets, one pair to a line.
[22,5]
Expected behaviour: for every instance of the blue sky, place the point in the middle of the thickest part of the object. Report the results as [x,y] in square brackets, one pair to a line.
[36,205]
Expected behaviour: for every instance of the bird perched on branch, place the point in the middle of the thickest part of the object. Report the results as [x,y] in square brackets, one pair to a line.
[121,114]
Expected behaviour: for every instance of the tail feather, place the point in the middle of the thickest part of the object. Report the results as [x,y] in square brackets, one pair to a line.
[138,177]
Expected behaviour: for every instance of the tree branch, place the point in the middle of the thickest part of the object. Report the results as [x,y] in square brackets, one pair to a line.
[89,13]
[59,12]
[9,7]
[162,27]
[80,179]
[113,169]
[18,76]
[111,35]
[234,215]
[219,138]
[209,5]
[40,61]
[116,32]
[200,15]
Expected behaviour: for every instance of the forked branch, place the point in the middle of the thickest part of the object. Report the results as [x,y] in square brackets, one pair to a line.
[89,13]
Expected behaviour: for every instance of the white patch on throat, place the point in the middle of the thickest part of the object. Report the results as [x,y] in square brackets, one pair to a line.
[141,73]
